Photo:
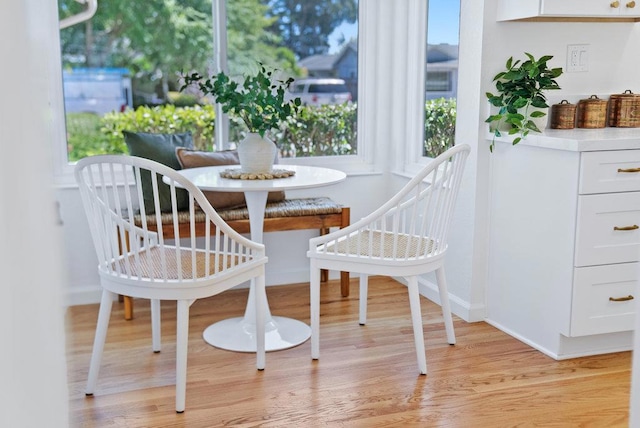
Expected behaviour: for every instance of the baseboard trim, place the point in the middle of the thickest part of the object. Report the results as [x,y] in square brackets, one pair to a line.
[522,339]
[83,295]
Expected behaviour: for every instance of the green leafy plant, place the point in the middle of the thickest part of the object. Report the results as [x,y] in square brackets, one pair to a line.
[313,131]
[324,130]
[520,90]
[167,119]
[84,137]
[439,126]
[259,100]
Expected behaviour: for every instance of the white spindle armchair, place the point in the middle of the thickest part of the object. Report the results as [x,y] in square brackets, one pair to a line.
[135,261]
[405,237]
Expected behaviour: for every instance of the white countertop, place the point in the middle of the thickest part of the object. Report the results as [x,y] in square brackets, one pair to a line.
[580,139]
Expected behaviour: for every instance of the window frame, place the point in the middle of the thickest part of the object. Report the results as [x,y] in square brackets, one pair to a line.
[417,22]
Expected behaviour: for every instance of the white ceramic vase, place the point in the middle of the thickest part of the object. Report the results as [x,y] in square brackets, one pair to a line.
[256,153]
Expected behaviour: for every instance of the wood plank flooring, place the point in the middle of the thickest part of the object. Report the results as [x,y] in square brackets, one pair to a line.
[366,376]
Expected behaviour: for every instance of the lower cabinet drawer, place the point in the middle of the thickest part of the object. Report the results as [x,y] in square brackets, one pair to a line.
[608,229]
[604,299]
[609,171]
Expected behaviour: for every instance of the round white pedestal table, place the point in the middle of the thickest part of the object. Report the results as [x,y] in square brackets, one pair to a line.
[238,334]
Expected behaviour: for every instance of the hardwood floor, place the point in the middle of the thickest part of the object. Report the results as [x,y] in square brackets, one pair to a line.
[365,377]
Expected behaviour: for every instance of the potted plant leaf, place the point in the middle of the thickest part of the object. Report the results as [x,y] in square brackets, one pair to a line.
[259,100]
[520,96]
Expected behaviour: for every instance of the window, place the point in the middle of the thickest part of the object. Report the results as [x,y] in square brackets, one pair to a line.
[441,76]
[438,81]
[314,42]
[121,68]
[387,40]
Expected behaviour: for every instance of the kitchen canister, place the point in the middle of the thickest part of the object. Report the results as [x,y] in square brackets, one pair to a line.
[592,113]
[624,110]
[563,115]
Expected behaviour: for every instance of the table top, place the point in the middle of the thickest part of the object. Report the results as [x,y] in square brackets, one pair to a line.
[208,178]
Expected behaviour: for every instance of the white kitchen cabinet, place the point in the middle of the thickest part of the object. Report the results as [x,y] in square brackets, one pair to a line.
[604,299]
[564,240]
[527,9]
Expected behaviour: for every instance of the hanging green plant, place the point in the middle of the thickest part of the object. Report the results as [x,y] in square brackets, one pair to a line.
[520,91]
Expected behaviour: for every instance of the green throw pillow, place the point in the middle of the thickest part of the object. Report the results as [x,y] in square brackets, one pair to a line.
[160,148]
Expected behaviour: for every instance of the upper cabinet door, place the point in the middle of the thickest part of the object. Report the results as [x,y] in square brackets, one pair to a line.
[595,8]
[525,9]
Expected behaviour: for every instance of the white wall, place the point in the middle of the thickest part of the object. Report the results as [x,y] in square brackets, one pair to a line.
[33,388]
[613,58]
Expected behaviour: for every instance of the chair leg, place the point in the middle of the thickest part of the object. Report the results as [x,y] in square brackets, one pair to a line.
[344,276]
[446,307]
[128,307]
[324,273]
[128,301]
[344,284]
[315,309]
[261,313]
[182,342]
[156,328]
[416,318]
[98,342]
[364,290]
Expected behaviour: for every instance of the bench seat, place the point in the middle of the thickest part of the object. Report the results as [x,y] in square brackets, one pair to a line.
[319,213]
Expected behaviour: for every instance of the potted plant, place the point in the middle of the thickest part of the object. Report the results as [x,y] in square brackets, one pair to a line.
[520,95]
[259,101]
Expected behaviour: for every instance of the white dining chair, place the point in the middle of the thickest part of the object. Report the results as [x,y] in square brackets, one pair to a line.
[405,237]
[136,261]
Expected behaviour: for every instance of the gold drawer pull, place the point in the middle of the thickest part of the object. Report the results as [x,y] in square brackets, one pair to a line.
[634,227]
[631,4]
[615,3]
[628,169]
[621,299]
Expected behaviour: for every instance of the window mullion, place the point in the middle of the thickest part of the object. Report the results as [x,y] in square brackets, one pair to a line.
[219,12]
